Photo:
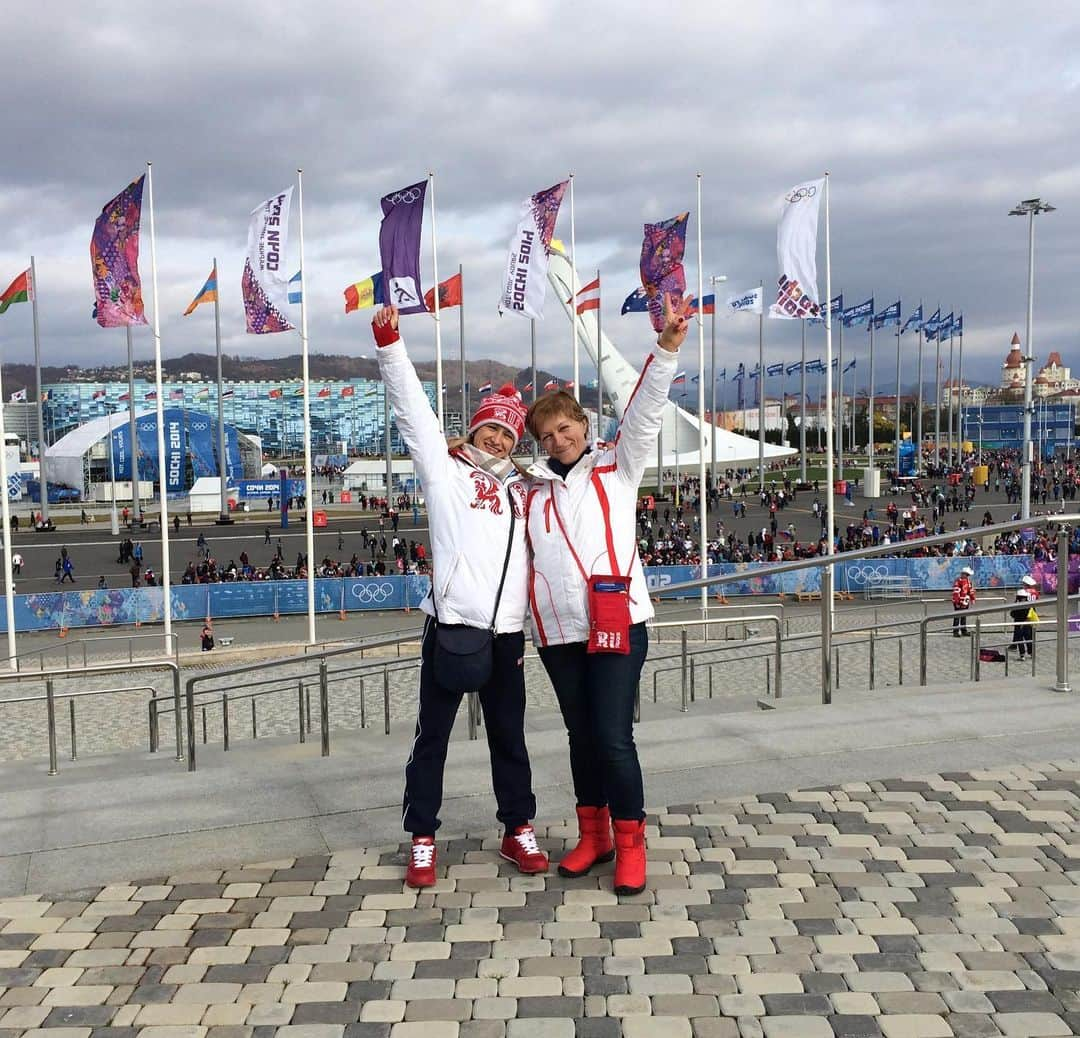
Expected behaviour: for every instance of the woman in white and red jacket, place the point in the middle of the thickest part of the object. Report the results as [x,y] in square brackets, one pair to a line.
[589,601]
[468,486]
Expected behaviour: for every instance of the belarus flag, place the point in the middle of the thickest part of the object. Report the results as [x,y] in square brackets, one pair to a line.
[589,297]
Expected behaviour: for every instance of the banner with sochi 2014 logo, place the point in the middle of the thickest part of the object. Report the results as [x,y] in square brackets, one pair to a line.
[525,287]
[796,251]
[265,284]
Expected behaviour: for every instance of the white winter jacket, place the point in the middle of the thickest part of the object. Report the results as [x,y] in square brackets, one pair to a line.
[566,517]
[467,510]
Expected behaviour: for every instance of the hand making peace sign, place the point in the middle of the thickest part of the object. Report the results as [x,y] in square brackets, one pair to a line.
[677,312]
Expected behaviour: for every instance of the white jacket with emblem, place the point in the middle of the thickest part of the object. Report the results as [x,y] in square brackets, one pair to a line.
[468,512]
[565,514]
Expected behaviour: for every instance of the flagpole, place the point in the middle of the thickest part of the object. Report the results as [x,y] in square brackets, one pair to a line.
[937,400]
[461,342]
[599,366]
[951,387]
[43,483]
[438,323]
[919,442]
[802,405]
[5,517]
[897,432]
[532,343]
[840,400]
[309,488]
[703,497]
[761,392]
[828,603]
[223,511]
[573,293]
[136,505]
[162,473]
[870,401]
[712,398]
[960,399]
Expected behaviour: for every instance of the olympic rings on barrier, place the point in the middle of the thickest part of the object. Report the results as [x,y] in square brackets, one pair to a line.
[372,594]
[404,197]
[865,574]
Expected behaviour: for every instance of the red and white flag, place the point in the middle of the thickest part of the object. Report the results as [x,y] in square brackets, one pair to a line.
[552,383]
[589,297]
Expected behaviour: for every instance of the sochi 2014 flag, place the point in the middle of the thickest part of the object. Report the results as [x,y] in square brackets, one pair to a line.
[399,246]
[525,285]
[796,251]
[265,284]
[114,260]
[748,302]
[662,251]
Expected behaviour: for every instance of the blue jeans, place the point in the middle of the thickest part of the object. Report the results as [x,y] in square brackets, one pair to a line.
[596,696]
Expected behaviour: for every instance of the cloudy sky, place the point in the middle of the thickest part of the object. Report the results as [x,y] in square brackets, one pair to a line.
[934,120]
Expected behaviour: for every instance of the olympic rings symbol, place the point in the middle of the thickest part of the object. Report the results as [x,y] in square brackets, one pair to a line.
[199,426]
[866,574]
[800,193]
[373,594]
[404,197]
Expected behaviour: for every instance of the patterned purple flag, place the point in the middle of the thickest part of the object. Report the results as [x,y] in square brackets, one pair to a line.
[661,264]
[114,260]
[399,246]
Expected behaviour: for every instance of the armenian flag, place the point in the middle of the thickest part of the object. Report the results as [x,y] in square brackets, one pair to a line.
[364,294]
[207,294]
[21,290]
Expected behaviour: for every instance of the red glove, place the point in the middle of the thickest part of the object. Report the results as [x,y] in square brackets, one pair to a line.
[385,334]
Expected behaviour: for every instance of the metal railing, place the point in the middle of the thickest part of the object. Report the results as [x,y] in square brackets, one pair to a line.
[39,654]
[827,563]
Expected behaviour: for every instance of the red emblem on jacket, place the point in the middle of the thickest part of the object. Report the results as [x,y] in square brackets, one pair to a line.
[487,492]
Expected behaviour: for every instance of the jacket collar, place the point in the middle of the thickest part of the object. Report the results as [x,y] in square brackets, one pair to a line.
[540,469]
[501,468]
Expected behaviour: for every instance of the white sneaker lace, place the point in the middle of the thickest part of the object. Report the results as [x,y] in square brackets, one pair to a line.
[527,841]
[423,854]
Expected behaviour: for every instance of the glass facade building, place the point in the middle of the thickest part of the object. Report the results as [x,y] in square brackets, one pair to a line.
[1052,426]
[342,412]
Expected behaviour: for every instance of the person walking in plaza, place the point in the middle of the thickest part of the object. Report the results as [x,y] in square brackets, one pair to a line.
[589,601]
[1021,615]
[963,594]
[476,504]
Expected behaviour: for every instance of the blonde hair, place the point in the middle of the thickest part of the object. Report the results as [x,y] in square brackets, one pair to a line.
[559,403]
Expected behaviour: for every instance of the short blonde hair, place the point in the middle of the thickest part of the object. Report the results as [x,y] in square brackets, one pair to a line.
[558,403]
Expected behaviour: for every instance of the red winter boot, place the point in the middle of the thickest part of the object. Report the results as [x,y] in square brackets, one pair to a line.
[629,856]
[594,842]
[421,869]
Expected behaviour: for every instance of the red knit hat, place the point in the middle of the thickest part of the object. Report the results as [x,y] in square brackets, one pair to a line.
[504,408]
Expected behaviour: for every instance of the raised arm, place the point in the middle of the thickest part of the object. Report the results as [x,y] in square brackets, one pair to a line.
[415,418]
[640,425]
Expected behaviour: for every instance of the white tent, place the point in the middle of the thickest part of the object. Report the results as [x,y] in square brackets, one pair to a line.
[205,494]
[64,459]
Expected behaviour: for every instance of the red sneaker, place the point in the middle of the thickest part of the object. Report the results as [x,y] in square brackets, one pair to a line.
[523,850]
[421,870]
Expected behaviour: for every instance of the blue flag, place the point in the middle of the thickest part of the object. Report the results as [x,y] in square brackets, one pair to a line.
[958,325]
[859,314]
[836,306]
[722,373]
[815,367]
[945,329]
[399,247]
[774,369]
[890,315]
[793,369]
[756,371]
[636,302]
[914,322]
[850,366]
[740,372]
[930,326]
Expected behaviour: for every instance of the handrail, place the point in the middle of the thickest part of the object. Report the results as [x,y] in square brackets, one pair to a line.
[66,646]
[826,563]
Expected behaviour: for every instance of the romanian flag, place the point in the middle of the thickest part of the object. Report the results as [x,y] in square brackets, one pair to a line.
[366,293]
[275,394]
[324,392]
[207,294]
[348,391]
[449,294]
[20,290]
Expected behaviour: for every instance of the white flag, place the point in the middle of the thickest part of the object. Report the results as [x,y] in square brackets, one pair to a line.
[265,284]
[527,263]
[19,396]
[796,251]
[744,302]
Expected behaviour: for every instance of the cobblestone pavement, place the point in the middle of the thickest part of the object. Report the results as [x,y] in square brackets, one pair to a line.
[945,905]
[740,669]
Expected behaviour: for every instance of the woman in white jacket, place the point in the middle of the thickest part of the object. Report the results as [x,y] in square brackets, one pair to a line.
[589,601]
[476,507]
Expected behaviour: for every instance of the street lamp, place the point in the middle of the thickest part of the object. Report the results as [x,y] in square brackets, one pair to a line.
[716,279]
[1030,207]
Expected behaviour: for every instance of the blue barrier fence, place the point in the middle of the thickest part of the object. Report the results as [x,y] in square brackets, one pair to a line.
[54,610]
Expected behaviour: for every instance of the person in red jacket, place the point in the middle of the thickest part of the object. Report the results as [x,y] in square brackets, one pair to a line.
[963,594]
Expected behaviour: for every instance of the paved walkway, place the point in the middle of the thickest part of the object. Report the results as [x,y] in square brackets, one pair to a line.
[942,904]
